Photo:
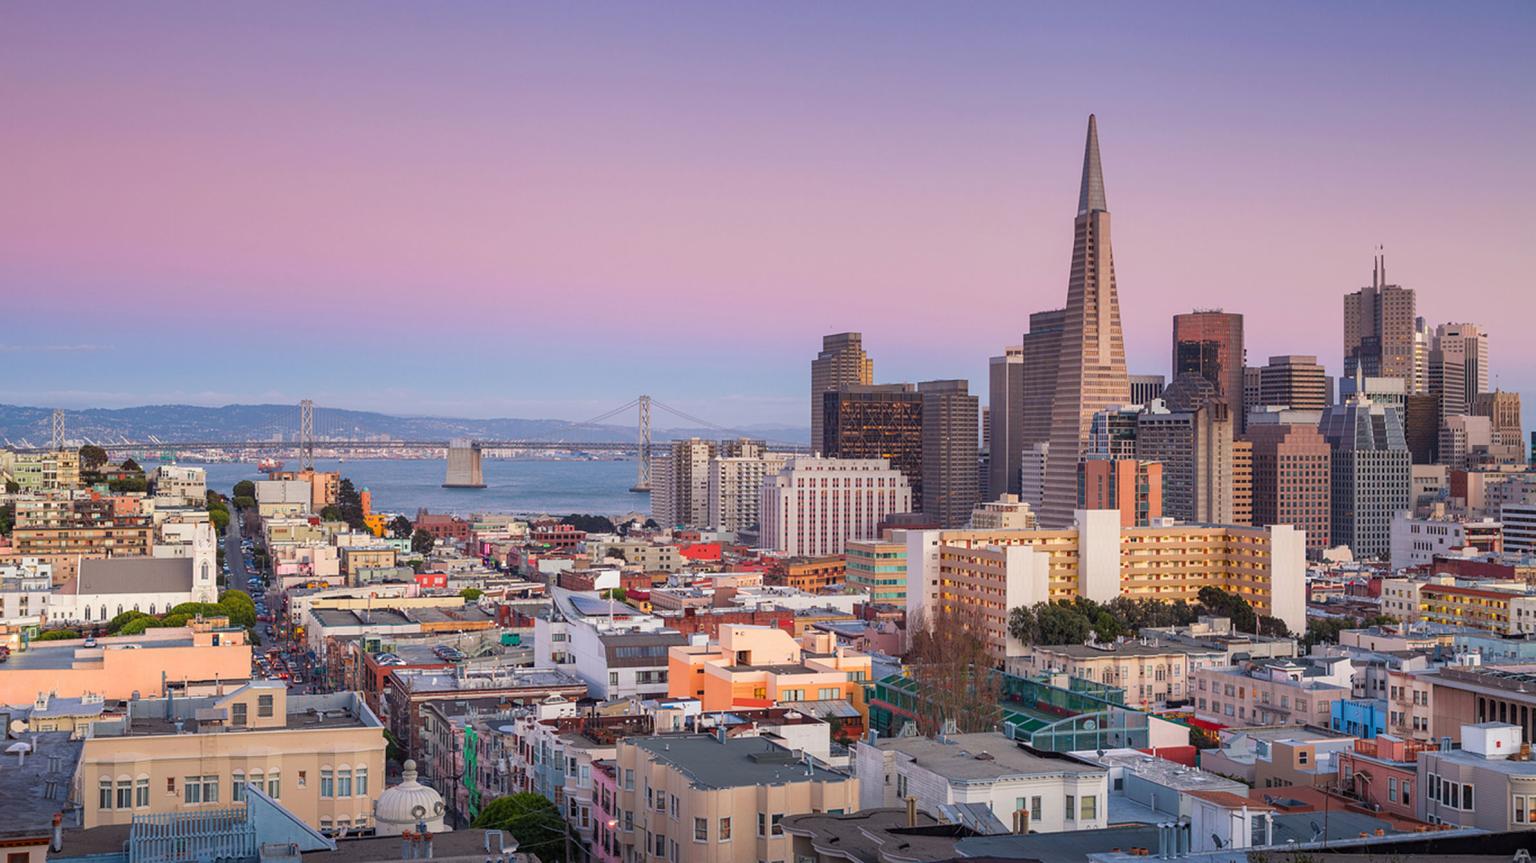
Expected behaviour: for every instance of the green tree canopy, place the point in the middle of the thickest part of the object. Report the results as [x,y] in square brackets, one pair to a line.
[117,623]
[92,457]
[400,527]
[131,466]
[589,523]
[422,542]
[245,501]
[57,635]
[331,513]
[532,820]
[244,488]
[219,518]
[471,593]
[137,625]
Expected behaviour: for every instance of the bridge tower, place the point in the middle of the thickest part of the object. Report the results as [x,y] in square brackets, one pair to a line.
[58,429]
[307,435]
[464,470]
[643,464]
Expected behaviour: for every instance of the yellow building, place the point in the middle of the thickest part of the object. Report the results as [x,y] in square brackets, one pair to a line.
[761,666]
[983,575]
[1506,607]
[717,799]
[47,471]
[322,756]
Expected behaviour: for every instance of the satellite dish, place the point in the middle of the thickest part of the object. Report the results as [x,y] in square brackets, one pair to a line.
[1216,839]
[18,726]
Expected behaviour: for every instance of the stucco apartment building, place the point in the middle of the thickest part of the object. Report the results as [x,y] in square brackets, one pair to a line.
[195,659]
[1502,606]
[716,799]
[878,567]
[1057,793]
[1152,674]
[1275,692]
[1489,783]
[322,756]
[760,666]
[62,531]
[983,575]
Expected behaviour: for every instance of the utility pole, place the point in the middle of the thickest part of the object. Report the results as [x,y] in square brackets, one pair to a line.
[643,467]
[307,435]
[58,429]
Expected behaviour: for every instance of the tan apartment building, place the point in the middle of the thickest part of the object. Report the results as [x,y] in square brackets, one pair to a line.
[718,799]
[1505,607]
[322,756]
[1275,692]
[1153,675]
[984,575]
[61,531]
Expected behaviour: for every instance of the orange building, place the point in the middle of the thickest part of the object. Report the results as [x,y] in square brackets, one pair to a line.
[1133,487]
[762,666]
[810,574]
[202,657]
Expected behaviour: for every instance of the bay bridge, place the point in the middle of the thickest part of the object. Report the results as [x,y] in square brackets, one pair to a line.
[301,435]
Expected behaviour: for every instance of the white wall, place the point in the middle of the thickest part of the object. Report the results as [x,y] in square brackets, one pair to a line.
[1098,542]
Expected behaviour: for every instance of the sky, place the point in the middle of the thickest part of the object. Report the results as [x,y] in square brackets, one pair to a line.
[545,209]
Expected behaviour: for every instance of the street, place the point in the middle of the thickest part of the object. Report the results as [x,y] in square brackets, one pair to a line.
[271,657]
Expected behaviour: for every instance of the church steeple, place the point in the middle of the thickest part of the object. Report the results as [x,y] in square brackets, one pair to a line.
[1091,198]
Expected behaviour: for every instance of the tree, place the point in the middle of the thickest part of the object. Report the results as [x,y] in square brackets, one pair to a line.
[422,542]
[400,527]
[617,594]
[1061,623]
[245,502]
[1230,605]
[349,505]
[220,519]
[244,488]
[129,485]
[331,513]
[137,625]
[1325,630]
[533,821]
[589,523]
[954,672]
[57,635]
[130,466]
[12,486]
[92,457]
[117,623]
[7,518]
[471,593]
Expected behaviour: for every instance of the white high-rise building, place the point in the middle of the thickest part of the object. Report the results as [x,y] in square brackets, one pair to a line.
[680,484]
[736,488]
[816,506]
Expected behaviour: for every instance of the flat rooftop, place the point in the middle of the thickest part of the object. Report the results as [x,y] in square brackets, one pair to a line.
[1169,774]
[984,755]
[737,762]
[422,681]
[52,657]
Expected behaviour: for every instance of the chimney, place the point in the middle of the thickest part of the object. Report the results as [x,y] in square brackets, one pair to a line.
[56,844]
[911,811]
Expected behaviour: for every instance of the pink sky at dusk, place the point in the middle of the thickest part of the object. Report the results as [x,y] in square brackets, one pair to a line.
[540,210]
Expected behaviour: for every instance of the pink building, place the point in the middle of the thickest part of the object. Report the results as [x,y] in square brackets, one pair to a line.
[1383,772]
[605,812]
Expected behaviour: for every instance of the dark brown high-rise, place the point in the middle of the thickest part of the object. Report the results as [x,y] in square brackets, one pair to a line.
[880,421]
[1090,374]
[1210,344]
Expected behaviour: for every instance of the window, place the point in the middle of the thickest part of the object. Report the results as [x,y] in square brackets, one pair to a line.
[629,780]
[210,789]
[1407,792]
[725,829]
[104,799]
[778,824]
[1071,807]
[360,781]
[1301,756]
[762,824]
[192,790]
[170,785]
[1089,808]
[829,693]
[237,787]
[124,794]
[344,782]
[1466,796]
[901,786]
[263,705]
[661,845]
[274,785]
[141,792]
[701,830]
[237,713]
[1036,810]
[1392,788]
[303,778]
[327,782]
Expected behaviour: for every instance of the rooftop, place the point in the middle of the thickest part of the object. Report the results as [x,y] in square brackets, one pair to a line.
[1169,774]
[38,787]
[43,655]
[426,681]
[980,756]
[739,761]
[114,575]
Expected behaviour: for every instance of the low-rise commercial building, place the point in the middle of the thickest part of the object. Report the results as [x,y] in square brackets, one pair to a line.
[1274,692]
[878,568]
[199,657]
[1153,675]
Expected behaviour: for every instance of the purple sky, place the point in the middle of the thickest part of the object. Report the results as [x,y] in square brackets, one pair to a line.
[541,210]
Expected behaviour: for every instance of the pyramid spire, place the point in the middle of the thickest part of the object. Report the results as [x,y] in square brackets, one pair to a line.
[1091,197]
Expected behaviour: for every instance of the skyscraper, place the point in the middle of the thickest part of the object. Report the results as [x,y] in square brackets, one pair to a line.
[875,421]
[1503,408]
[680,484]
[1191,435]
[842,361]
[1090,373]
[1371,474]
[1041,352]
[1294,381]
[1464,347]
[1145,388]
[949,451]
[1379,326]
[1006,419]
[1292,473]
[1210,343]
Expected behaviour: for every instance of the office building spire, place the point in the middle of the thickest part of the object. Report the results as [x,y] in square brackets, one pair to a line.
[1091,198]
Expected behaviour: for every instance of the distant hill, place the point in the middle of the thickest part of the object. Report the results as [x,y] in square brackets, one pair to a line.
[261,422]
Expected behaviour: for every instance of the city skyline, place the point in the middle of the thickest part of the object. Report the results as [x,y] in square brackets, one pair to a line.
[486,218]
